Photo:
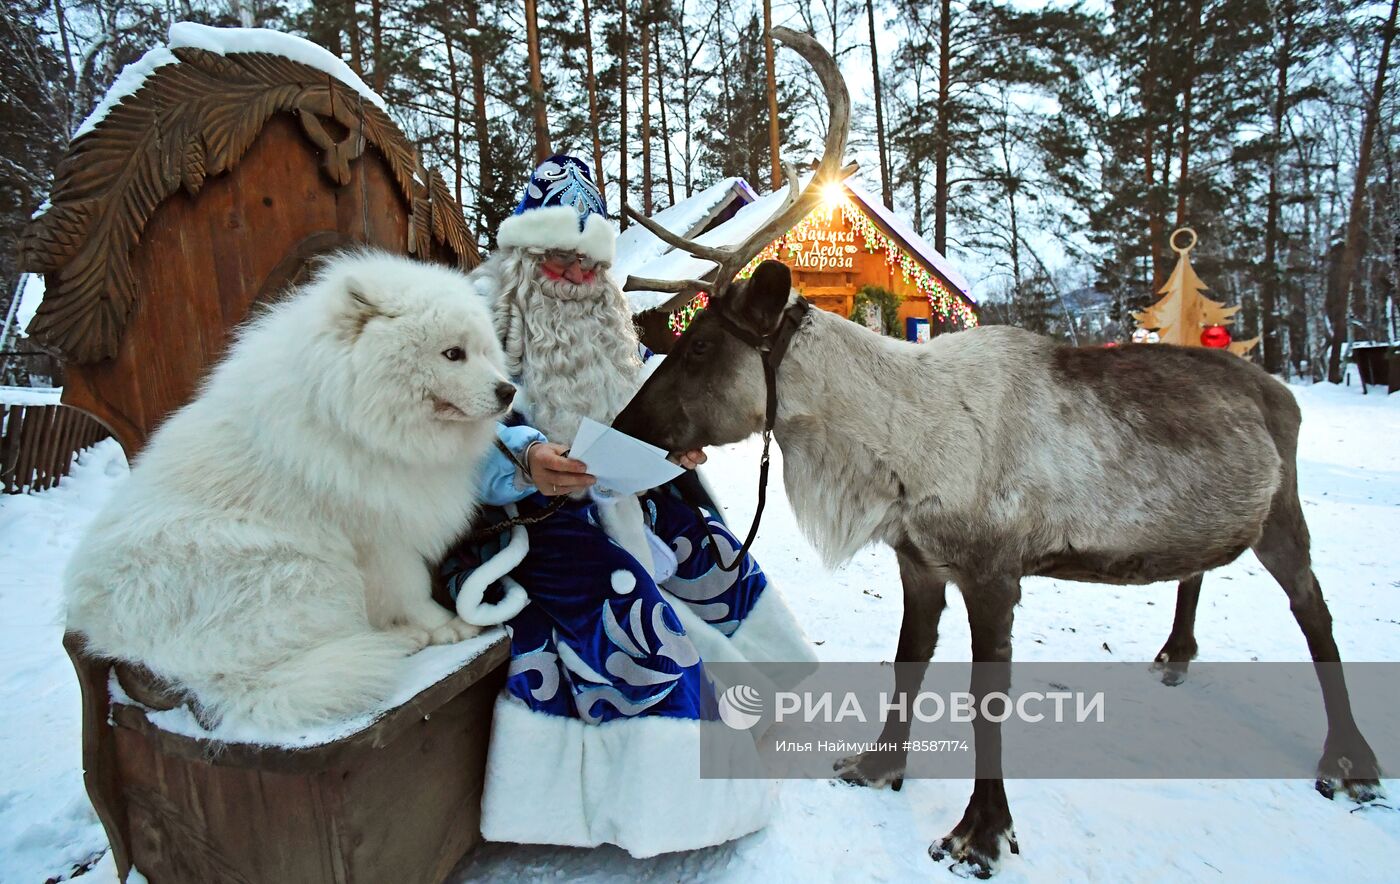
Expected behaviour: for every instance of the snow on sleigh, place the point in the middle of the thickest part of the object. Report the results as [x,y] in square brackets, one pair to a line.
[209,177]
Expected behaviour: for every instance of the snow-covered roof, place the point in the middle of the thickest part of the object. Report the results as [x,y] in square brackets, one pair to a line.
[672,263]
[636,245]
[223,41]
[916,243]
[678,264]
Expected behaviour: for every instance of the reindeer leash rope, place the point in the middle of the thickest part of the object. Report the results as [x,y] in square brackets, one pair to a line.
[772,347]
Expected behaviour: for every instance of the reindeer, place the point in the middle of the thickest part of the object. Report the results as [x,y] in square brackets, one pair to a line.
[988,455]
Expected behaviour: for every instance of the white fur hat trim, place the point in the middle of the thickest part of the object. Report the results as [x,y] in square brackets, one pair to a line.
[556,227]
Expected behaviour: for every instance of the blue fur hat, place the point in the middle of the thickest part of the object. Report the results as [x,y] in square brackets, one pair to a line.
[562,209]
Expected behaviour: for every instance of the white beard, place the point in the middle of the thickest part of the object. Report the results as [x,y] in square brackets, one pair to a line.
[575,352]
[573,348]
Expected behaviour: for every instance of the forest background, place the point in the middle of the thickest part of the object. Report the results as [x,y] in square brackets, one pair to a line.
[1048,149]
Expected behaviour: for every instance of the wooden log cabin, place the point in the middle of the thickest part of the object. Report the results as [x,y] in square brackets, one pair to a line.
[849,242]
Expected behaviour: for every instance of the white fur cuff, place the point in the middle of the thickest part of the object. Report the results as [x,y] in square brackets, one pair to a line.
[556,227]
[470,604]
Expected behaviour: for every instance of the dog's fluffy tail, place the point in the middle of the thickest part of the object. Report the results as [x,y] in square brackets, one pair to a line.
[339,679]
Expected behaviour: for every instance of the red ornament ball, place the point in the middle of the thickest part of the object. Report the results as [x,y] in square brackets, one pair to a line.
[1217,336]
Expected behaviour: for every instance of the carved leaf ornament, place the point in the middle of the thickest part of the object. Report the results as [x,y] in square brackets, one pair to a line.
[189,121]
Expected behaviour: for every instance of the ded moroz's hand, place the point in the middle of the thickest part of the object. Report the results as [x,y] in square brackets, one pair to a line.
[555,474]
[690,459]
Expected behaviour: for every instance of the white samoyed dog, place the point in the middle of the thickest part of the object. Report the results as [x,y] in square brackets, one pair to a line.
[270,551]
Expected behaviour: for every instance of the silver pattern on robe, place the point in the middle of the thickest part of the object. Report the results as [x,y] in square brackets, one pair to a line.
[546,663]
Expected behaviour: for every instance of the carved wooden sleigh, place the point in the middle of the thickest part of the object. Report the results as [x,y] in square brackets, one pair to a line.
[204,192]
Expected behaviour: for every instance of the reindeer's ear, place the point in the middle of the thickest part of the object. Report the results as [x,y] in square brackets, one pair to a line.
[759,302]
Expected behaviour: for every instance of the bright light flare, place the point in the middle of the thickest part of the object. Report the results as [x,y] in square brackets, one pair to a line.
[833,195]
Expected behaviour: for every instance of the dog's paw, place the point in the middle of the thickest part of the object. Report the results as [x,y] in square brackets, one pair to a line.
[415,638]
[453,630]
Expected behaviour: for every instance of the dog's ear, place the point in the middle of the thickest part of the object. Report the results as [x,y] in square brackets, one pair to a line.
[364,300]
[758,303]
[360,301]
[360,307]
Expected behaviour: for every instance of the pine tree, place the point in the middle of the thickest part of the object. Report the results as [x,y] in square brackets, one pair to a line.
[886,193]
[33,127]
[735,135]
[539,112]
[1352,246]
[595,135]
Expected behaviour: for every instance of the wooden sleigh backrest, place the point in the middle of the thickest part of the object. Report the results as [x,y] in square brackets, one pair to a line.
[209,189]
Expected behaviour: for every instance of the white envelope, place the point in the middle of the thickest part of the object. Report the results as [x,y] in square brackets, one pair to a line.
[622,464]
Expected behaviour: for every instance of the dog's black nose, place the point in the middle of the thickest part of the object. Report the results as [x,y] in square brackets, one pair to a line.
[505,393]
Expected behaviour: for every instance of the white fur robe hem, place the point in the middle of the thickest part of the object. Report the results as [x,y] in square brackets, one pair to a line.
[632,782]
[769,635]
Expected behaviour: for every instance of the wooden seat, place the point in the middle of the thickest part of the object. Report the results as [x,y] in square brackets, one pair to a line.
[206,191]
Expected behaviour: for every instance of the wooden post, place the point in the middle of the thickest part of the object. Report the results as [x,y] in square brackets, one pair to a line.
[38,443]
[68,447]
[52,451]
[13,417]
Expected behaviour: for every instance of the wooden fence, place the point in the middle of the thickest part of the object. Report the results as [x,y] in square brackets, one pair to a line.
[37,444]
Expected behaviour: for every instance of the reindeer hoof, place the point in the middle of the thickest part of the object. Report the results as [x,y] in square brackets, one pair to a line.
[875,769]
[1349,766]
[968,859]
[979,840]
[1360,791]
[1172,664]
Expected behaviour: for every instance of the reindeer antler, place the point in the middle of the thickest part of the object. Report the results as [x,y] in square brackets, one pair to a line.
[732,259]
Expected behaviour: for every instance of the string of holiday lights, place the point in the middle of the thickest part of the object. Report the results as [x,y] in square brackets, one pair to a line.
[681,319]
[942,302]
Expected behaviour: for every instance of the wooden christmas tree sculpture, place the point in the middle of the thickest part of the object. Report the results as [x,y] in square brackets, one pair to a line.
[1185,315]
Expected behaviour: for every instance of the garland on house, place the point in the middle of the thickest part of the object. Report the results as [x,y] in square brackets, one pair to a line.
[942,302]
[680,320]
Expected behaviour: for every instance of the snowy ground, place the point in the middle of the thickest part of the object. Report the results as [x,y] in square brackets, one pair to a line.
[1068,830]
